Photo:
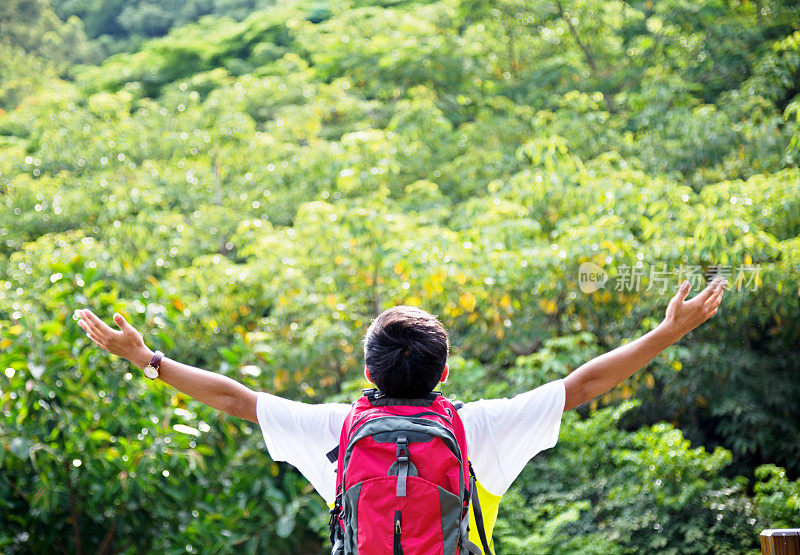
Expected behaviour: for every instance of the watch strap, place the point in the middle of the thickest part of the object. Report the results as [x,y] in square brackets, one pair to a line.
[155,362]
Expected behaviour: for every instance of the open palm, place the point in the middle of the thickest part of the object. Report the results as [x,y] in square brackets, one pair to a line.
[125,343]
[683,316]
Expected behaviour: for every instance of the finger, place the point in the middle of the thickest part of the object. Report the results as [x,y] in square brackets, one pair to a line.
[710,289]
[683,290]
[87,326]
[711,311]
[97,340]
[723,285]
[101,326]
[121,323]
[715,299]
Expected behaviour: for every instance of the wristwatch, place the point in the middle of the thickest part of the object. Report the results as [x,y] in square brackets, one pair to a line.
[151,370]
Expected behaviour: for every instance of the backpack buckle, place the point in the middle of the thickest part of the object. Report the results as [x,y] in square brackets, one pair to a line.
[402,449]
[402,465]
[373,393]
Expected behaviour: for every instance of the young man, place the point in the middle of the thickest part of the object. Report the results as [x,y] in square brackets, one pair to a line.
[405,352]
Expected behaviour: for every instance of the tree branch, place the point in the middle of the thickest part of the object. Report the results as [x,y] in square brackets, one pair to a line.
[105,545]
[586,53]
[73,510]
[18,492]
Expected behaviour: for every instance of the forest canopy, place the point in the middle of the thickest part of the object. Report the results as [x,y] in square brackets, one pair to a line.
[250,184]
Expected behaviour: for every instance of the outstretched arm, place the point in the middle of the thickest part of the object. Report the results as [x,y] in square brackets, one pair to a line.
[214,390]
[610,369]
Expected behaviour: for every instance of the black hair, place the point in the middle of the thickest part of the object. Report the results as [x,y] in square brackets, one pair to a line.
[405,350]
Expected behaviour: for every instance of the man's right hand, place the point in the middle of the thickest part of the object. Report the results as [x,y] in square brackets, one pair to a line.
[215,390]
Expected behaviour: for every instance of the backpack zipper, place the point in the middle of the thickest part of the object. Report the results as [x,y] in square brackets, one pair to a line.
[398,521]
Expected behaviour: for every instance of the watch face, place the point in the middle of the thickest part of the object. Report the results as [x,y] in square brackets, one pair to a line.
[150,372]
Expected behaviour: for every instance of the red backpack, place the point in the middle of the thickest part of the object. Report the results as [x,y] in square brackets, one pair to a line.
[403,480]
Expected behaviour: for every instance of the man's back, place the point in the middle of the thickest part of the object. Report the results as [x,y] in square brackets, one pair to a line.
[502,436]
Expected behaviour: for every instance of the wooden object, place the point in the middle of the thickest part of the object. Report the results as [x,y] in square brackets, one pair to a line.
[780,542]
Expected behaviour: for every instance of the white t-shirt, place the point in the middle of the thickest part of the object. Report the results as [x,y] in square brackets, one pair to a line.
[502,434]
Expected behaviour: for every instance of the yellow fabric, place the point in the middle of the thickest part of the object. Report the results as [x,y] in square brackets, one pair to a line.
[490,503]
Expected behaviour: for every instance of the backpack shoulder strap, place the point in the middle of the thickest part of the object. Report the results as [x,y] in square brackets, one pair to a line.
[380,399]
[476,508]
[333,454]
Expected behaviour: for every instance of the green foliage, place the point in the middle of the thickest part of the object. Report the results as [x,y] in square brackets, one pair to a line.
[777,496]
[250,190]
[93,455]
[35,48]
[205,45]
[604,490]
[33,27]
[121,23]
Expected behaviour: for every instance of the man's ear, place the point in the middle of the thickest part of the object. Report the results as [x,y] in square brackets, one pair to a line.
[366,375]
[445,373]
